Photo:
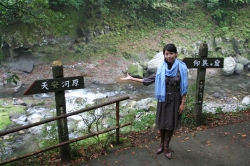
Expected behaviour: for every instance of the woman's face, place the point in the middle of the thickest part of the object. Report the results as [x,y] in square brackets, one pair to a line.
[170,56]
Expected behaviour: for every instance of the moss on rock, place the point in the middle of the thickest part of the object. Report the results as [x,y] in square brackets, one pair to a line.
[7,111]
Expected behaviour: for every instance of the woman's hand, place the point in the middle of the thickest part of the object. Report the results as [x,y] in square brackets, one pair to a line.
[181,108]
[128,77]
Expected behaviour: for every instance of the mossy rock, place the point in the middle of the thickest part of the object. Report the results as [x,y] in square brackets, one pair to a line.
[135,70]
[7,111]
[4,119]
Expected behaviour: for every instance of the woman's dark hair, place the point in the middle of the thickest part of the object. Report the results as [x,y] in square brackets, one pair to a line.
[170,48]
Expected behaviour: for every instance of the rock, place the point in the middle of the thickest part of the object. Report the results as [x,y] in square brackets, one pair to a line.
[144,104]
[217,95]
[80,101]
[223,46]
[36,130]
[19,86]
[131,105]
[21,132]
[144,65]
[135,70]
[21,102]
[21,119]
[155,62]
[246,100]
[238,68]
[23,63]
[229,66]
[152,106]
[244,61]
[248,67]
[236,46]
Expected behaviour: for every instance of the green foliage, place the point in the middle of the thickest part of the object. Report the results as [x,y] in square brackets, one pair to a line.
[7,111]
[146,120]
[188,119]
[218,110]
[12,78]
[69,3]
[4,119]
[1,56]
[190,99]
[213,4]
[188,114]
[35,12]
[219,14]
[49,135]
[220,9]
[243,108]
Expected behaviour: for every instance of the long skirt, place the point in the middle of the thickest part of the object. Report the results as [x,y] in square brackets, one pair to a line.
[167,116]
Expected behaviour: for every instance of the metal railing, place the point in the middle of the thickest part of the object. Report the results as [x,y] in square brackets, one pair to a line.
[117,127]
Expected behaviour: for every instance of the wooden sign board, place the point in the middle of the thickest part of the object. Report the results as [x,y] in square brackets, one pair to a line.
[204,62]
[55,84]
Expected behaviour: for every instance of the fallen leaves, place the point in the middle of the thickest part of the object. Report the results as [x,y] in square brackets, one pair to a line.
[224,118]
[243,135]
[235,137]
[150,135]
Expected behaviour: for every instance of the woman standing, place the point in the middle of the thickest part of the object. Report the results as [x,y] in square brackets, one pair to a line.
[171,86]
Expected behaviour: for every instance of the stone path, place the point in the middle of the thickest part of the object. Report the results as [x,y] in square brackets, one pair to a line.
[222,146]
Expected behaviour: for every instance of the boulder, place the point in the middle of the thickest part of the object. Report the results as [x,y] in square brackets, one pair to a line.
[144,104]
[238,68]
[229,66]
[155,62]
[26,66]
[246,100]
[135,70]
[242,60]
[248,67]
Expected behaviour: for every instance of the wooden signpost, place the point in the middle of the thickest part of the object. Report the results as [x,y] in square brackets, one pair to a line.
[58,85]
[202,62]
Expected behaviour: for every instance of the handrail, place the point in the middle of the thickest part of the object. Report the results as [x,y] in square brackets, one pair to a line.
[63,116]
[64,143]
[117,127]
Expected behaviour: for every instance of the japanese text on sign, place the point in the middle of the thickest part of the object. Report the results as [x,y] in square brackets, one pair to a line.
[205,63]
[56,84]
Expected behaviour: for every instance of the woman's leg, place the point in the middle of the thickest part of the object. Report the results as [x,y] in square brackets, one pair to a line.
[162,134]
[168,136]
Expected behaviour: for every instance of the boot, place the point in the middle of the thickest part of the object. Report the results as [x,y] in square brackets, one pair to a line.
[167,139]
[162,134]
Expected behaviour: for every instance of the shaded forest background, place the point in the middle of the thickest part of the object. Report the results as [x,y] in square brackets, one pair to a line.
[24,24]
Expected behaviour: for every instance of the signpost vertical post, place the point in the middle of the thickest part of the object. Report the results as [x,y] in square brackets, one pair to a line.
[200,83]
[58,85]
[202,62]
[57,70]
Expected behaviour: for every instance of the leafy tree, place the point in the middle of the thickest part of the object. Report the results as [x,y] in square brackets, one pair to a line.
[69,3]
[35,12]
